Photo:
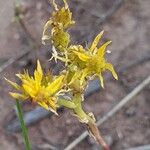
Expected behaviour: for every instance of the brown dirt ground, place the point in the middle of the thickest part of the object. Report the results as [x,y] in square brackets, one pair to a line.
[128,28]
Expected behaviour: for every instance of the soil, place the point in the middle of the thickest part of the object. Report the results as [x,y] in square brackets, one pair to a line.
[128,28]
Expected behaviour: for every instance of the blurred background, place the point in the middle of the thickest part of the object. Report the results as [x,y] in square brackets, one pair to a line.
[127,24]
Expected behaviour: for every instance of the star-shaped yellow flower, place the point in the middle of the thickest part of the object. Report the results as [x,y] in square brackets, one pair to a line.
[42,89]
[92,61]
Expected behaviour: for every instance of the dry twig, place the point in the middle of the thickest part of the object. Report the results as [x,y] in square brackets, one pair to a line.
[144,147]
[44,147]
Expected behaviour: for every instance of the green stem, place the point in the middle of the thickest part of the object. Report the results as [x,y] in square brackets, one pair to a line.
[79,110]
[89,121]
[66,103]
[23,127]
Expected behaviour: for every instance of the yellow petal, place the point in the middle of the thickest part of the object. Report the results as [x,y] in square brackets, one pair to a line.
[25,77]
[96,40]
[38,74]
[101,80]
[56,85]
[101,50]
[44,105]
[31,92]
[78,48]
[18,96]
[50,104]
[82,56]
[84,74]
[15,85]
[111,69]
[53,106]
[39,68]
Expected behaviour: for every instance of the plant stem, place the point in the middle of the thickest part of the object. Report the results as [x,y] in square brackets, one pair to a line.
[78,110]
[66,103]
[89,121]
[94,131]
[23,127]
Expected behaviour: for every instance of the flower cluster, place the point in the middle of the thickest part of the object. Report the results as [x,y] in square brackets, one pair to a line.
[92,61]
[81,65]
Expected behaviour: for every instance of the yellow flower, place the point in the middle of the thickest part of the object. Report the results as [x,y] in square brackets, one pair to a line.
[42,89]
[60,21]
[92,62]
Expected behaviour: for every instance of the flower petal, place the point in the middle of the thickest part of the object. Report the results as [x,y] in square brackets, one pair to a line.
[101,80]
[18,96]
[29,90]
[84,74]
[101,49]
[52,106]
[96,40]
[111,69]
[38,74]
[15,85]
[56,85]
[82,56]
[49,104]
[44,105]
